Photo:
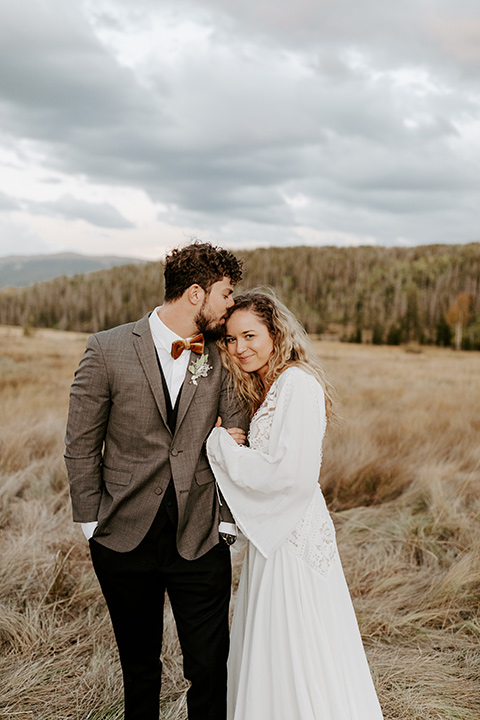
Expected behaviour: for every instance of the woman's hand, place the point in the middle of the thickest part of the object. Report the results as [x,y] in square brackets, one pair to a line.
[237,433]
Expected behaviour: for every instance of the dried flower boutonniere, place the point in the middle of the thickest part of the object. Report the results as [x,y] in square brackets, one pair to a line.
[199,368]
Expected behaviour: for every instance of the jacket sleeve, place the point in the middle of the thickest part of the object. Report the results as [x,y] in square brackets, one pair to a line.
[88,414]
[268,492]
[232,411]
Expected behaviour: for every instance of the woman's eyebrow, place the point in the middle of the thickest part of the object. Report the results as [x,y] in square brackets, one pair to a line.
[244,332]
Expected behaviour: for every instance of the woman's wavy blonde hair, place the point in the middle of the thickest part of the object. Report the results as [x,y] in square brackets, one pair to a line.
[291,346]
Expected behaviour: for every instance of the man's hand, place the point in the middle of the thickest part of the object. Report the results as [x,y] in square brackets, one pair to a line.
[237,433]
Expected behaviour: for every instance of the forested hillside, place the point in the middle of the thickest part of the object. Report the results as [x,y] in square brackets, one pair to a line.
[428,294]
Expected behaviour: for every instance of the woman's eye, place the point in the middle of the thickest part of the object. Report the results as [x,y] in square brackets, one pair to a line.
[229,340]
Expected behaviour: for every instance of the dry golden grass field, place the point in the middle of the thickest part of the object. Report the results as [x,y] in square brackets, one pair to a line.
[401,473]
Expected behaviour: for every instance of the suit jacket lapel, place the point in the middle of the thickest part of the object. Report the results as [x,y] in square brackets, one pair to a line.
[148,358]
[189,388]
[187,394]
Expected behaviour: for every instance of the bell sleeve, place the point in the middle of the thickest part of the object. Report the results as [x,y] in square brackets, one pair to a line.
[268,492]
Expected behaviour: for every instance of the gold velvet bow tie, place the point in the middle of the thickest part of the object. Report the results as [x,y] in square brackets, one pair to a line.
[196,344]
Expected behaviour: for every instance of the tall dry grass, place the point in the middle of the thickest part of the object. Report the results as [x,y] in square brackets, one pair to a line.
[401,473]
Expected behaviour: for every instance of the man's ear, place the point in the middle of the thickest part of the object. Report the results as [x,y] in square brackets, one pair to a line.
[195,294]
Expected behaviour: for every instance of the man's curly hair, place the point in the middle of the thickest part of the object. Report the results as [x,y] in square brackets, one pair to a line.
[198,263]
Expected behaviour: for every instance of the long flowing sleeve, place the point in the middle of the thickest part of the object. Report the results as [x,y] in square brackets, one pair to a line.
[268,489]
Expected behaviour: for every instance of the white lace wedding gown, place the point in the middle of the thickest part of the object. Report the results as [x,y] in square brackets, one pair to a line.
[296,651]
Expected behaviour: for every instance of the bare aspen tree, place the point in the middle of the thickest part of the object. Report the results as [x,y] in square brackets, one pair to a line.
[458,316]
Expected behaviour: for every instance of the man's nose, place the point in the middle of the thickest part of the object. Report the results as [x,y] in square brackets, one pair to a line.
[230,302]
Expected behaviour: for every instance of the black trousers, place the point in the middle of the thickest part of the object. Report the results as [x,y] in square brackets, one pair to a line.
[134,585]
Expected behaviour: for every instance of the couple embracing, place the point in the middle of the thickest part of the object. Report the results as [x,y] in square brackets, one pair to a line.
[160,470]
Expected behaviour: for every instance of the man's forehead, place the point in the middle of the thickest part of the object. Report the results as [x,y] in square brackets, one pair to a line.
[224,284]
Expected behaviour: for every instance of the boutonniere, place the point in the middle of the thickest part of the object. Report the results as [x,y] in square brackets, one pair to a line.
[199,368]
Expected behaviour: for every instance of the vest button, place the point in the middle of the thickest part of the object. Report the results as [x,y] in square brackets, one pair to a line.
[174,452]
[158,491]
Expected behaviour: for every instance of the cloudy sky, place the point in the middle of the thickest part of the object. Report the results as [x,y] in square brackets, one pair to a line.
[129,126]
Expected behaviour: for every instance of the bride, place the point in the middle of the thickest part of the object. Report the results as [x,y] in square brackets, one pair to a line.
[296,651]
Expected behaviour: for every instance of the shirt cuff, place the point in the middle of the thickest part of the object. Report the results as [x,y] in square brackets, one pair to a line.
[89,528]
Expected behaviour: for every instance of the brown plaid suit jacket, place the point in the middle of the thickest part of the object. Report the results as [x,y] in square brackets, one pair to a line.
[120,453]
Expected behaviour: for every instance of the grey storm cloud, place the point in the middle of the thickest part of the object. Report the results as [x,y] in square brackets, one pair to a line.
[8,203]
[70,208]
[57,81]
[287,114]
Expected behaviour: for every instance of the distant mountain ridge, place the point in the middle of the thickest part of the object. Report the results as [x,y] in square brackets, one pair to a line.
[25,270]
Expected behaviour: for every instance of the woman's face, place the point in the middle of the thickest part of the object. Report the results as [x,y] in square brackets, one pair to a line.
[248,341]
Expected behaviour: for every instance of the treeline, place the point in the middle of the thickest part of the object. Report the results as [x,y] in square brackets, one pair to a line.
[428,294]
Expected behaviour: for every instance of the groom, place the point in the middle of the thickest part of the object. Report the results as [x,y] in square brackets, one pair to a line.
[142,404]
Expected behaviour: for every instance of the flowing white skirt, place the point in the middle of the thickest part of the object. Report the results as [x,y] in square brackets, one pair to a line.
[296,650]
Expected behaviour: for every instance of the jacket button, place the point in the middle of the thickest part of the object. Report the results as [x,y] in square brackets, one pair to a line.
[158,491]
[174,452]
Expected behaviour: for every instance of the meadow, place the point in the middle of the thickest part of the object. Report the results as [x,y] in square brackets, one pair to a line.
[401,474]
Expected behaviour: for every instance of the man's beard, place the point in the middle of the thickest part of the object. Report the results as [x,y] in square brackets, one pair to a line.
[213,327]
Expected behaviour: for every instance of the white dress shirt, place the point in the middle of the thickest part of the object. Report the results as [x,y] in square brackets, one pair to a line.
[174,371]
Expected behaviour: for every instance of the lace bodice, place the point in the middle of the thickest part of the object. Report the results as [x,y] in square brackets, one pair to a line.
[262,421]
[270,484]
[261,424]
[313,539]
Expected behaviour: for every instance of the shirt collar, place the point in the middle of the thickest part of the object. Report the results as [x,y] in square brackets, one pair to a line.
[161,333]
